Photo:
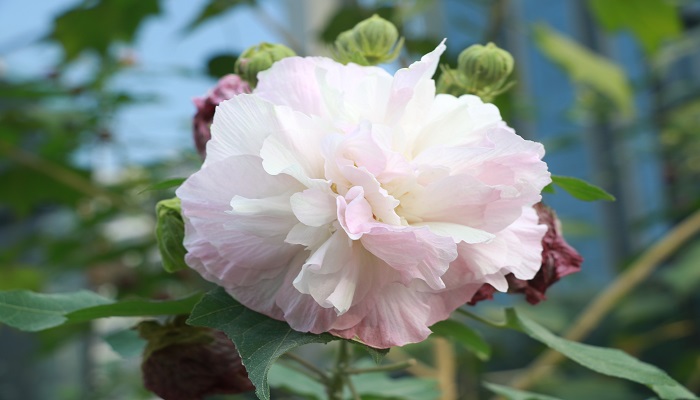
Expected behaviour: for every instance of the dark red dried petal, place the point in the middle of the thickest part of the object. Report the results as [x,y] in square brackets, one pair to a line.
[191,371]
[226,88]
[559,259]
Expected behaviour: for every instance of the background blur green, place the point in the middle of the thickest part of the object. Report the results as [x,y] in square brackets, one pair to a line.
[95,106]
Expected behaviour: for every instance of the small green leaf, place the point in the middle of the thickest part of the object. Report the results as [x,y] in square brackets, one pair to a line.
[586,68]
[514,394]
[549,189]
[463,335]
[376,354]
[651,21]
[581,189]
[95,25]
[126,343]
[166,184]
[170,233]
[135,308]
[611,362]
[260,340]
[29,311]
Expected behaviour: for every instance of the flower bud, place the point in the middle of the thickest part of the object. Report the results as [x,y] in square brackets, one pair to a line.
[485,65]
[182,362]
[170,232]
[260,58]
[371,42]
[227,87]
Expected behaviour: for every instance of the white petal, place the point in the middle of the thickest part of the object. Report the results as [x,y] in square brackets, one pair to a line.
[460,233]
[314,207]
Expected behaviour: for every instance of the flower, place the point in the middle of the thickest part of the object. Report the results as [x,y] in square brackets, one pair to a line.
[182,362]
[559,259]
[342,199]
[228,86]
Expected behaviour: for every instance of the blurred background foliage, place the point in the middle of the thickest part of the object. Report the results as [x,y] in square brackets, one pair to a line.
[95,108]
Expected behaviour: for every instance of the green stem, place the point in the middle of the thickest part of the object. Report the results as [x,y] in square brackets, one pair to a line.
[382,368]
[322,376]
[336,383]
[481,319]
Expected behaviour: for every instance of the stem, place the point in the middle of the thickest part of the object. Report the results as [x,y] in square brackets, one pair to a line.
[336,383]
[479,318]
[382,368]
[447,368]
[601,305]
[351,386]
[59,173]
[323,377]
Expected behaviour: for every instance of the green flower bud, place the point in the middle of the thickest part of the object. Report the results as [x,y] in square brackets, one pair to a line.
[371,42]
[260,58]
[484,69]
[170,232]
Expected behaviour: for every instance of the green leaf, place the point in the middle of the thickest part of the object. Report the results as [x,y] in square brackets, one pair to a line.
[293,381]
[587,68]
[21,277]
[380,386]
[126,343]
[166,184]
[97,26]
[376,354]
[581,189]
[463,335]
[611,362]
[215,8]
[170,233]
[29,311]
[514,394]
[221,64]
[135,308]
[651,21]
[260,340]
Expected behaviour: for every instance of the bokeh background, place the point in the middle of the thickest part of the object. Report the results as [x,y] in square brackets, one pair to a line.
[95,106]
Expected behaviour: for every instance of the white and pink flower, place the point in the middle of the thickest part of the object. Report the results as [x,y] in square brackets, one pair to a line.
[342,199]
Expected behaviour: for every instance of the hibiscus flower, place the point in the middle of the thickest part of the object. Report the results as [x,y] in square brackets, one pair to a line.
[342,199]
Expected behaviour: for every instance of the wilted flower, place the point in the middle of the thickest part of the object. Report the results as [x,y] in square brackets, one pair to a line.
[559,259]
[182,362]
[342,199]
[227,87]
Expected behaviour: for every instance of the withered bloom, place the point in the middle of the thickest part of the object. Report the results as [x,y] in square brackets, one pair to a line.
[228,86]
[559,259]
[182,362]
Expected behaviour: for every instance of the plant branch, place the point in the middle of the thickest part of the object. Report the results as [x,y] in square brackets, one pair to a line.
[383,368]
[310,367]
[604,303]
[59,173]
[446,367]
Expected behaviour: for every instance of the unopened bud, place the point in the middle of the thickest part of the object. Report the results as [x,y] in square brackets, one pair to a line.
[170,232]
[371,42]
[485,66]
[260,58]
